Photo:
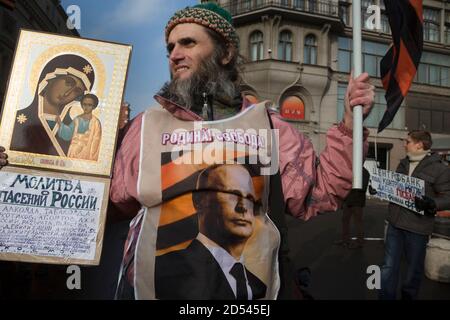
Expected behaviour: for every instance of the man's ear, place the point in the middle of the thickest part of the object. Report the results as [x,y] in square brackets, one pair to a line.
[420,143]
[230,53]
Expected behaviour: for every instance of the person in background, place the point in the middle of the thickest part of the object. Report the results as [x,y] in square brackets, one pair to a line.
[408,232]
[353,207]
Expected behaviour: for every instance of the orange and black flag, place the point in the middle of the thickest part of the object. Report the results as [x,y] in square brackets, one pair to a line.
[10,4]
[399,66]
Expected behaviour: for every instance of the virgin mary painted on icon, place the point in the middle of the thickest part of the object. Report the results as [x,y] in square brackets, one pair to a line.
[63,80]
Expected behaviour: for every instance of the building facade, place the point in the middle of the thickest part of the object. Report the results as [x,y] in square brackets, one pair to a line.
[298,53]
[41,15]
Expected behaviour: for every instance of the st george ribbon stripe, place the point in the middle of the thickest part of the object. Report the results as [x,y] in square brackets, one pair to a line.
[399,66]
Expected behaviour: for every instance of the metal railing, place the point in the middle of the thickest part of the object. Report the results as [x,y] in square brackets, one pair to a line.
[311,6]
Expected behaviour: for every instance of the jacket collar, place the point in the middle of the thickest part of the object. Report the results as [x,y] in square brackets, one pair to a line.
[185,114]
[433,157]
[176,110]
[429,159]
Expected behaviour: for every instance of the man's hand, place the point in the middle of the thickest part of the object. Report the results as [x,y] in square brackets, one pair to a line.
[123,117]
[3,157]
[425,204]
[359,93]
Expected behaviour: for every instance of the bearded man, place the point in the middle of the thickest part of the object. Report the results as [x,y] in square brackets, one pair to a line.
[149,187]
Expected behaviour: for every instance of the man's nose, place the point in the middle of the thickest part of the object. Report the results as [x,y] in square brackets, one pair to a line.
[240,207]
[177,54]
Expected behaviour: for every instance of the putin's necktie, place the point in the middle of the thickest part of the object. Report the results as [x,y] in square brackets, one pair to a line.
[241,284]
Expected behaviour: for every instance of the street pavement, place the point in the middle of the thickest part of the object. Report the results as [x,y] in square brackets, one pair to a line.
[341,273]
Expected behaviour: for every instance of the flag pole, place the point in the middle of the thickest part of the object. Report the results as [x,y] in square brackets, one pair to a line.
[357,111]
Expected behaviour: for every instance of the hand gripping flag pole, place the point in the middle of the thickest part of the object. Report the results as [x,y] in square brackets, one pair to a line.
[357,111]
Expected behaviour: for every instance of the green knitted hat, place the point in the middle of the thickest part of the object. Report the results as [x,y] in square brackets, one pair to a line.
[209,15]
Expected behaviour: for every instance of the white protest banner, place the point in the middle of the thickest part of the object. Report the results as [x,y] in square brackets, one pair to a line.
[397,188]
[51,218]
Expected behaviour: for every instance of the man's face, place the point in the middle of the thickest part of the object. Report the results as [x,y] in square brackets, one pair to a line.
[233,210]
[64,89]
[412,146]
[188,45]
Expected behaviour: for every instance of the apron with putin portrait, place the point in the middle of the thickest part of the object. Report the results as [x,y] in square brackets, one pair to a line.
[204,231]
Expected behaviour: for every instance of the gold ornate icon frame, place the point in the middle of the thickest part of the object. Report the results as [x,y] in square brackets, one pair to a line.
[109,64]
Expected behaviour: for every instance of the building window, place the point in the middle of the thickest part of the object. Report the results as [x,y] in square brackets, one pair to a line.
[432,74]
[385,27]
[310,54]
[447,27]
[345,54]
[312,5]
[284,3]
[432,120]
[447,34]
[373,52]
[364,14]
[293,108]
[377,113]
[382,154]
[285,46]
[445,77]
[344,12]
[431,24]
[299,4]
[256,46]
[245,5]
[434,69]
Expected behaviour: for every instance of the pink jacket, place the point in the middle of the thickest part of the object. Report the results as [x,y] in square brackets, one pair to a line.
[311,184]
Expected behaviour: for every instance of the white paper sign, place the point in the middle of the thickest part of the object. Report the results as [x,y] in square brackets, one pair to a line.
[49,216]
[397,188]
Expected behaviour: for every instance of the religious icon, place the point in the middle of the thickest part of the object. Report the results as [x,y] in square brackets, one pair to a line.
[62,105]
[61,113]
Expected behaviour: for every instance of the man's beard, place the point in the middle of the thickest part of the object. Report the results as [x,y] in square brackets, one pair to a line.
[210,78]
